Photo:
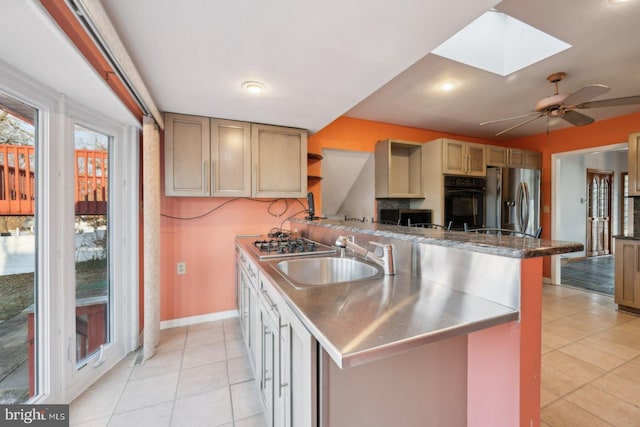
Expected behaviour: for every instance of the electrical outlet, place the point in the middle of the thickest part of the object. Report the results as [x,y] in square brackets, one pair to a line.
[181,268]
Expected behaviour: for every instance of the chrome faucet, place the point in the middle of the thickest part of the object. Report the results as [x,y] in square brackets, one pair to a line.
[385,261]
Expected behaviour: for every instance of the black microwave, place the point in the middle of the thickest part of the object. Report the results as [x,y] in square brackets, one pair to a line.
[406,216]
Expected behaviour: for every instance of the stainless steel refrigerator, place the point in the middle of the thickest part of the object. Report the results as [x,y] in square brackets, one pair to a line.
[512,199]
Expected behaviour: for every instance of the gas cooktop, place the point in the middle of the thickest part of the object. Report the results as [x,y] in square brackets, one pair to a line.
[283,245]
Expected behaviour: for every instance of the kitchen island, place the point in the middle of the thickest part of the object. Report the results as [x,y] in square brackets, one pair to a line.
[453,338]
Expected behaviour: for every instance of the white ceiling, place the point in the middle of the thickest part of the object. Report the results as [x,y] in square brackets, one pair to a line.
[368,59]
[320,60]
[31,43]
[317,58]
[604,51]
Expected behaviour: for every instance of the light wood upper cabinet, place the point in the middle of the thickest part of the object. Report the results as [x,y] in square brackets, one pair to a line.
[524,159]
[464,158]
[496,156]
[224,158]
[279,161]
[230,158]
[634,164]
[513,157]
[398,169]
[187,155]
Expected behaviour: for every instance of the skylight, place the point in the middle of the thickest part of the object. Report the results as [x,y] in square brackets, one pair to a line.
[500,44]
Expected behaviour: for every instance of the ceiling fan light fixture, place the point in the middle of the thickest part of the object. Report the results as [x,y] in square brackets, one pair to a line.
[253,86]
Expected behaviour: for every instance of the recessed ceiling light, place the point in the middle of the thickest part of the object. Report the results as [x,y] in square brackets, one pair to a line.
[614,2]
[450,85]
[253,87]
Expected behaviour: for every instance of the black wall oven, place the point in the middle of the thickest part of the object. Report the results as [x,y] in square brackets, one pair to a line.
[464,201]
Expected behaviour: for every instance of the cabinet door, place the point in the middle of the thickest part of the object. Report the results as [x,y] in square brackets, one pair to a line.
[454,159]
[532,160]
[187,157]
[496,156]
[267,367]
[627,273]
[230,158]
[279,157]
[476,159]
[516,158]
[254,331]
[634,164]
[301,375]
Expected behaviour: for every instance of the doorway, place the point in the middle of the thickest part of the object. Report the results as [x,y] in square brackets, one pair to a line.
[599,189]
[570,201]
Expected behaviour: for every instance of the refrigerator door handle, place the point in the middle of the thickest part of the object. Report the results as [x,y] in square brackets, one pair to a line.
[523,207]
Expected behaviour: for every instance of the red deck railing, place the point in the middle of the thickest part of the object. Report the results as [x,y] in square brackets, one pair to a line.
[91,182]
[17,180]
[17,166]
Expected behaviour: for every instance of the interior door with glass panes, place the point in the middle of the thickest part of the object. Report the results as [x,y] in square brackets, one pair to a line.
[599,186]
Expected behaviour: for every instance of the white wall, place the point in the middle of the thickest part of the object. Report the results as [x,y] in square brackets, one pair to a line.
[348,185]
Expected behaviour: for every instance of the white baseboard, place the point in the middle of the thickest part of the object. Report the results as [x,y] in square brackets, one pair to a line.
[202,318]
[546,280]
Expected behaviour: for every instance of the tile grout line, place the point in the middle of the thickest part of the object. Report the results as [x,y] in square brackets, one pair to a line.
[606,371]
[175,393]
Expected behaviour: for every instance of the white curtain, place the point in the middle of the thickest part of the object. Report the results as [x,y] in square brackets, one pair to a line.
[151,229]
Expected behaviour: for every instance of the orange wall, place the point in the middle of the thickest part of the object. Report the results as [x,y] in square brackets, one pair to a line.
[207,244]
[346,133]
[604,132]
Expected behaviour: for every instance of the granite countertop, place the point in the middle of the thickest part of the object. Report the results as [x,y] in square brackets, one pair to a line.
[501,245]
[627,237]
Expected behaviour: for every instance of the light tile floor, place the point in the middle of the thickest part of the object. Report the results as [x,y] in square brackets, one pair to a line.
[590,360]
[200,376]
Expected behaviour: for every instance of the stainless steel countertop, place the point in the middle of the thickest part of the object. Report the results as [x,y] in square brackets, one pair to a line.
[363,321]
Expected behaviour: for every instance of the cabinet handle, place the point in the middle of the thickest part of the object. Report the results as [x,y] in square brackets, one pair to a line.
[212,179]
[257,180]
[282,383]
[205,186]
[265,377]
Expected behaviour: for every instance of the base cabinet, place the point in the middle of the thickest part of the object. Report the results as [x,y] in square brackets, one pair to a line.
[282,352]
[627,273]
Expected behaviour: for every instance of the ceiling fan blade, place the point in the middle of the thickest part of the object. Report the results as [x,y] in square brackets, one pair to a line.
[577,119]
[613,102]
[509,118]
[586,93]
[520,124]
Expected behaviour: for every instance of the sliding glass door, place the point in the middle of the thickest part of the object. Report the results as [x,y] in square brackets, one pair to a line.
[18,310]
[91,235]
[69,200]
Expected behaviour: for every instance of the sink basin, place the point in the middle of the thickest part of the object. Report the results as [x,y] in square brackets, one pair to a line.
[326,270]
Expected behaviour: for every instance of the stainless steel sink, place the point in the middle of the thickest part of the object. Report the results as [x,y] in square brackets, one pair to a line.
[304,272]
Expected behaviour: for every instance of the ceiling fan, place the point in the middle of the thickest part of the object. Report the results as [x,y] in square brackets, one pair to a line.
[563,105]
